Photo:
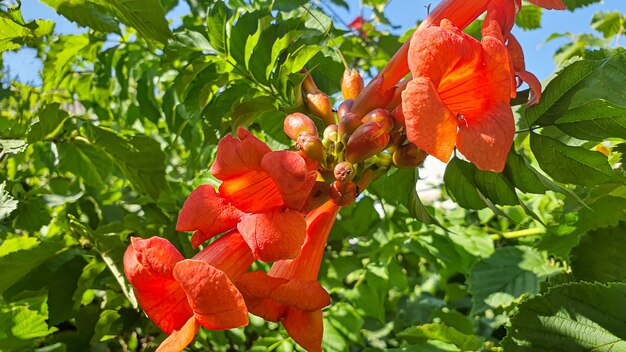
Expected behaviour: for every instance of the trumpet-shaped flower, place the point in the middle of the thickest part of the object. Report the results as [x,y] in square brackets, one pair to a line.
[460,95]
[289,292]
[261,194]
[179,295]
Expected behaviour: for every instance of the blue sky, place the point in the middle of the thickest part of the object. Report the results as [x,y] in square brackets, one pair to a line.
[403,13]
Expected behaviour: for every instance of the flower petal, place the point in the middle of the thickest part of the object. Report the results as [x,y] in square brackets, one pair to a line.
[429,123]
[252,192]
[237,156]
[306,328]
[206,213]
[216,302]
[274,236]
[289,172]
[487,142]
[149,265]
[268,294]
[179,339]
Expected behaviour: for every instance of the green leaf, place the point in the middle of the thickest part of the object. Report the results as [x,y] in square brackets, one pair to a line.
[596,121]
[288,5]
[440,332]
[519,172]
[146,16]
[7,203]
[571,318]
[608,23]
[574,4]
[600,255]
[104,329]
[17,264]
[218,17]
[569,164]
[495,187]
[245,26]
[600,77]
[506,275]
[245,113]
[461,185]
[51,120]
[394,187]
[61,289]
[529,17]
[86,14]
[84,160]
[19,325]
[139,157]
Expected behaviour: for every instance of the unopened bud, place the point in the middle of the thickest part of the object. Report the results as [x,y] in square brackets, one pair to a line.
[368,140]
[296,124]
[319,104]
[351,84]
[344,107]
[318,196]
[348,124]
[330,133]
[344,172]
[381,116]
[311,146]
[398,117]
[408,156]
[343,193]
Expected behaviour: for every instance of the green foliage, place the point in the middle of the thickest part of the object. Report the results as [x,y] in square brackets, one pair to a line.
[124,126]
[572,317]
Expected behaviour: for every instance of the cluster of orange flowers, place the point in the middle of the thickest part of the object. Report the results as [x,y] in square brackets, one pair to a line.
[279,206]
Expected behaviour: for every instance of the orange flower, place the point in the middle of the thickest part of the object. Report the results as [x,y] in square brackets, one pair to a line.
[180,294]
[289,292]
[460,94]
[261,194]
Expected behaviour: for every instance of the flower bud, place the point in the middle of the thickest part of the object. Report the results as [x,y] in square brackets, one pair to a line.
[381,116]
[312,147]
[296,124]
[344,172]
[351,84]
[319,104]
[348,124]
[368,140]
[408,156]
[343,193]
[319,195]
[330,133]
[344,107]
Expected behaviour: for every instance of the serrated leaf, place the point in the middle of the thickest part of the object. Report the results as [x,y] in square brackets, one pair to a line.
[608,23]
[86,14]
[139,157]
[461,185]
[571,318]
[600,255]
[569,164]
[218,17]
[519,172]
[288,5]
[529,17]
[596,121]
[146,16]
[509,273]
[7,203]
[61,289]
[51,120]
[17,264]
[85,161]
[600,77]
[440,332]
[574,4]
[19,325]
